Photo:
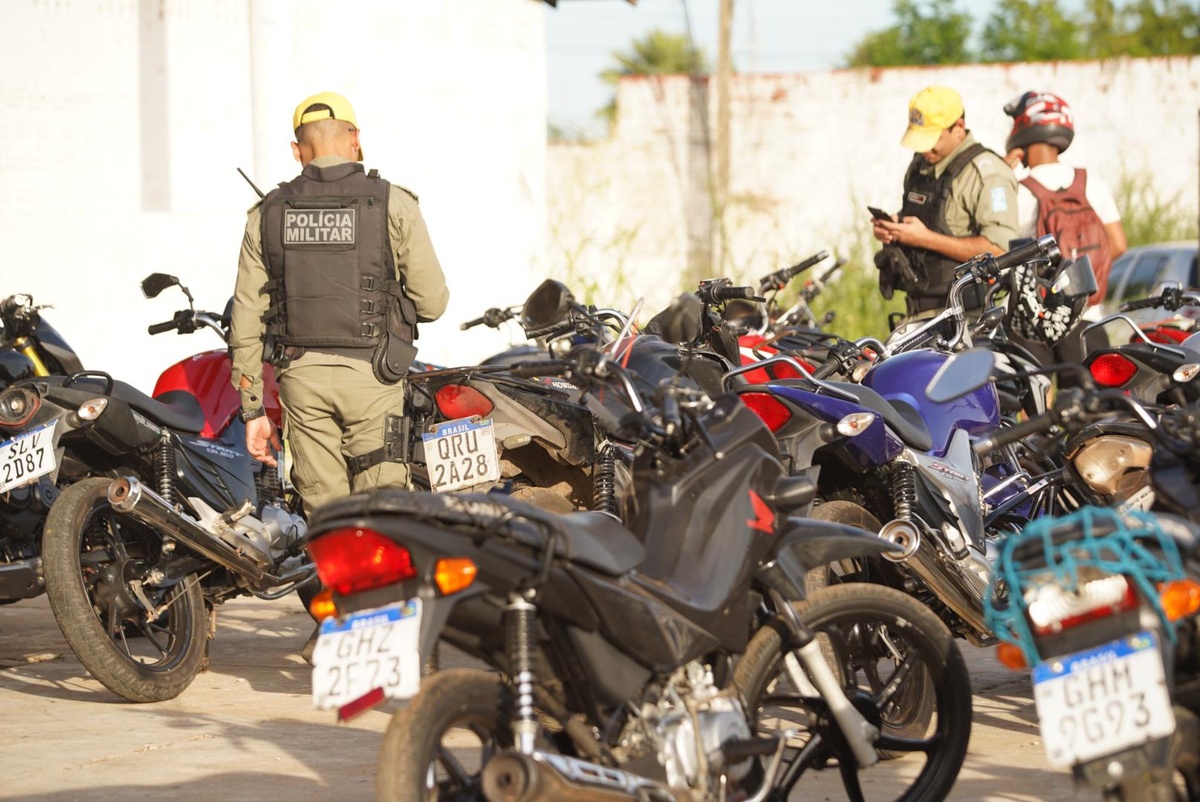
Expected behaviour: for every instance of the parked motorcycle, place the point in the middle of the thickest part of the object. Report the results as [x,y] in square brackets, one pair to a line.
[29,347]
[615,645]
[1101,605]
[889,459]
[159,521]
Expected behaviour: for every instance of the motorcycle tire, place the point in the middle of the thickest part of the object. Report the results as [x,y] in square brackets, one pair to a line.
[413,765]
[89,550]
[850,514]
[867,625]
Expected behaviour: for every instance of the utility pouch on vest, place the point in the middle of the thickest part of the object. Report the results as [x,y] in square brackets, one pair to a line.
[395,353]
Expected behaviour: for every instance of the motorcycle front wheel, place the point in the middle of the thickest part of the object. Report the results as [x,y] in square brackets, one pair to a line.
[883,646]
[95,560]
[436,746]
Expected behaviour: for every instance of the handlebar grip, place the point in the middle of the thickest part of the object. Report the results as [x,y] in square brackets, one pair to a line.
[836,266]
[548,367]
[1042,247]
[1011,434]
[159,328]
[806,264]
[735,294]
[470,324]
[1142,303]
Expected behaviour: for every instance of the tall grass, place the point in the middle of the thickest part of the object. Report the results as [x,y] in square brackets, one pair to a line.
[1148,217]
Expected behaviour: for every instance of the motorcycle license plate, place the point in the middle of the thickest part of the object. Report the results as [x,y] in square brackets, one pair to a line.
[28,456]
[1093,703]
[368,651]
[461,453]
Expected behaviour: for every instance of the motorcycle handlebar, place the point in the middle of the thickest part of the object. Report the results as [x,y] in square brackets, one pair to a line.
[717,294]
[159,328]
[1011,434]
[1142,303]
[1044,247]
[547,367]
[779,278]
[836,266]
[470,324]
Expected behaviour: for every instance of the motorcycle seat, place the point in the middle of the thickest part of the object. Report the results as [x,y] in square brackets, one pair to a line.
[178,410]
[591,539]
[900,416]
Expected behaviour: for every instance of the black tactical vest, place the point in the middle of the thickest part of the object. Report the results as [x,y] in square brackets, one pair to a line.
[326,249]
[925,198]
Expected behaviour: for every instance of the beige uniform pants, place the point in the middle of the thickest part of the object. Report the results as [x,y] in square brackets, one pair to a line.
[334,409]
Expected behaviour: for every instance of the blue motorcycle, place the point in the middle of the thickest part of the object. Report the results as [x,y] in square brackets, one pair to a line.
[889,459]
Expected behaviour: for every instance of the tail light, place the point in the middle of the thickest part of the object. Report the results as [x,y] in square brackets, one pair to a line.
[773,412]
[460,401]
[1112,370]
[351,560]
[1053,609]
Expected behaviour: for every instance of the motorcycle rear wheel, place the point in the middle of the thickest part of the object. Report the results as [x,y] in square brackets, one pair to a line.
[91,554]
[415,762]
[883,640]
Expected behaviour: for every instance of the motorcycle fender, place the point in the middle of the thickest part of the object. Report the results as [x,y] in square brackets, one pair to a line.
[435,610]
[807,543]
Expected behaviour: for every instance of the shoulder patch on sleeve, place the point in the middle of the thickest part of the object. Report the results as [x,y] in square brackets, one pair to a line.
[986,167]
[999,199]
[408,192]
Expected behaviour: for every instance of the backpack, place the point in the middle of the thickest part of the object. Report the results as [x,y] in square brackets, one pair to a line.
[1067,215]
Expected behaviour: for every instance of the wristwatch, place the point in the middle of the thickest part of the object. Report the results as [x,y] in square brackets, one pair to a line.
[250,414]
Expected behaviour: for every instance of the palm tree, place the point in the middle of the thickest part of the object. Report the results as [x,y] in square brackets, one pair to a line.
[658,53]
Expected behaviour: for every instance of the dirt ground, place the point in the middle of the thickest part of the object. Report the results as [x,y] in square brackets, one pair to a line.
[246,729]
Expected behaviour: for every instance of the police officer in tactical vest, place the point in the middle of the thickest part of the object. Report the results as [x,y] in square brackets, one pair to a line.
[336,270]
[960,200]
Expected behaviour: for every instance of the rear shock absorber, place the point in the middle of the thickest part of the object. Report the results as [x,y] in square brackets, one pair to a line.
[519,637]
[902,529]
[164,469]
[604,481]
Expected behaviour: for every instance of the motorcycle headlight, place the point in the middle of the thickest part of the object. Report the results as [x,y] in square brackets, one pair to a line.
[17,405]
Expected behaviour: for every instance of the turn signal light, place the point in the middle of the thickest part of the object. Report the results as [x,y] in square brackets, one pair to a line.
[1112,370]
[452,574]
[350,560]
[1011,656]
[322,606]
[1180,598]
[773,412]
[460,401]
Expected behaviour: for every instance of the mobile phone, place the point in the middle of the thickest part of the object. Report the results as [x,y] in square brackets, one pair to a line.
[879,214]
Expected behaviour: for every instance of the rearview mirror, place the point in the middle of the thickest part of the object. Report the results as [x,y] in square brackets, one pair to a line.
[546,305]
[960,374]
[155,283]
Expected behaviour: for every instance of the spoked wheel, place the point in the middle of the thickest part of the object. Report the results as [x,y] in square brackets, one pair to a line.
[143,641]
[893,657]
[436,747]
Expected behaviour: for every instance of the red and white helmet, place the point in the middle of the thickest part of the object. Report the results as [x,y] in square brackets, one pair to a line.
[1040,117]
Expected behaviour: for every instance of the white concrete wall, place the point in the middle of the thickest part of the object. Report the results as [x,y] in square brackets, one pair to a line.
[810,151]
[126,121]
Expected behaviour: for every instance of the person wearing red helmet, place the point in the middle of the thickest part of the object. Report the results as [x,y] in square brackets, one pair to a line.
[1043,128]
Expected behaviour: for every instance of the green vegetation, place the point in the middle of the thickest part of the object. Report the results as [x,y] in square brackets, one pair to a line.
[1147,217]
[937,32]
[657,53]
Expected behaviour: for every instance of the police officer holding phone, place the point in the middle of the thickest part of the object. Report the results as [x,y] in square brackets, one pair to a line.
[960,200]
[336,270]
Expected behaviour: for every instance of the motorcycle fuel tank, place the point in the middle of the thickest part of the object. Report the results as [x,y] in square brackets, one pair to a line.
[905,376]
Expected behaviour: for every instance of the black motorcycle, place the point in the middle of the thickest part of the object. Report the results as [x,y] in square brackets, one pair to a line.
[157,522]
[29,348]
[672,656]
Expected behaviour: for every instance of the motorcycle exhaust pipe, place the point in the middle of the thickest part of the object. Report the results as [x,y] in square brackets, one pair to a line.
[958,587]
[515,777]
[130,496]
[904,534]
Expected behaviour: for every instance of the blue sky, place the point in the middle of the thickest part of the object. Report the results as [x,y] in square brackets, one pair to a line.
[769,36]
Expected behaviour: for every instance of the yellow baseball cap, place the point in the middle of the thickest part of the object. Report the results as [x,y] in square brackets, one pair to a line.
[931,111]
[335,107]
